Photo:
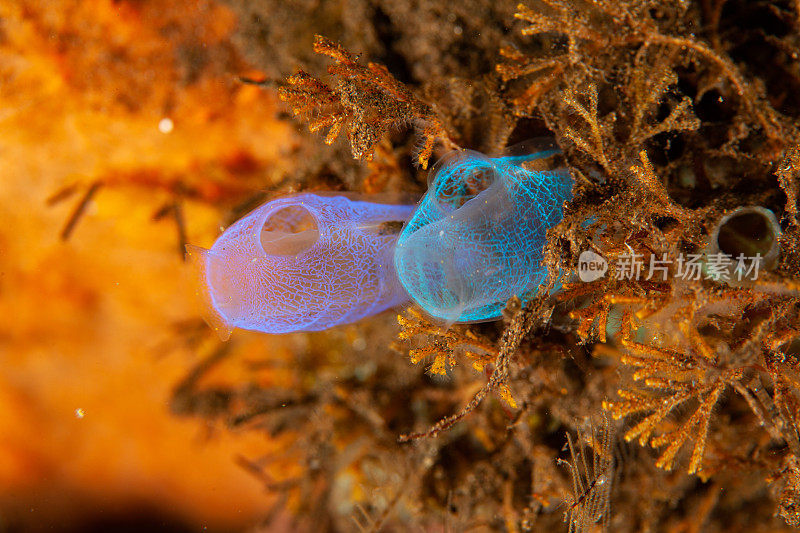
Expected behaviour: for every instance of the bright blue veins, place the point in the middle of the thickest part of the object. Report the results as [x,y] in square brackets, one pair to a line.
[477,236]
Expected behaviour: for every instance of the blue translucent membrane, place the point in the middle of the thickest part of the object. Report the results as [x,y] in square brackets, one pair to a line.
[303,263]
[477,237]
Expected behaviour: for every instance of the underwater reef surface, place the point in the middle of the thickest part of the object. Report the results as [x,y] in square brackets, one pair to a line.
[656,390]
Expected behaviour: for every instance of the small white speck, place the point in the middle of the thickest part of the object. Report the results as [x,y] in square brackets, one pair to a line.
[165,125]
[441,233]
[457,30]
[79,413]
[359,344]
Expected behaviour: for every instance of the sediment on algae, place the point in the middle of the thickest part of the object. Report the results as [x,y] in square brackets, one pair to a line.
[621,404]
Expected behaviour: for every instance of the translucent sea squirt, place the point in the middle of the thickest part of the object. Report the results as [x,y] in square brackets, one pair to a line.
[302,263]
[477,236]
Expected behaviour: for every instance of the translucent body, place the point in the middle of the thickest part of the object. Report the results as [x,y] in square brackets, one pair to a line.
[477,236]
[303,263]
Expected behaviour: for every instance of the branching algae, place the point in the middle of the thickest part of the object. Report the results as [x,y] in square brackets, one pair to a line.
[303,263]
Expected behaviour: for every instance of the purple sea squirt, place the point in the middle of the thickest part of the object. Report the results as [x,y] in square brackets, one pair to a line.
[305,262]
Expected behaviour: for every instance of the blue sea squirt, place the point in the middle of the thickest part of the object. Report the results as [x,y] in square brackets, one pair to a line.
[477,237]
[302,263]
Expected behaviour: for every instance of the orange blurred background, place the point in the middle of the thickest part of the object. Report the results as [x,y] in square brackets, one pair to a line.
[137,101]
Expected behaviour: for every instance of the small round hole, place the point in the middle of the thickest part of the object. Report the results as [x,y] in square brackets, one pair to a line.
[747,232]
[462,184]
[289,231]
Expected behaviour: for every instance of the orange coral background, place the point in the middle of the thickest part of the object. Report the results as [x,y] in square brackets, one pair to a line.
[87,341]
